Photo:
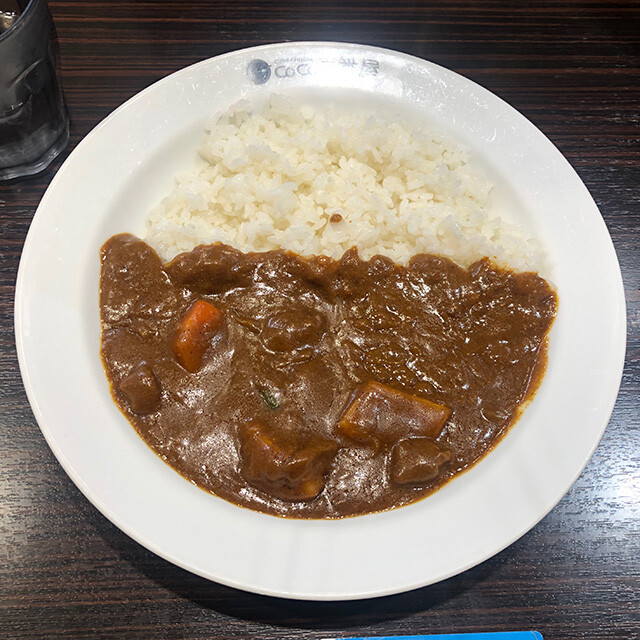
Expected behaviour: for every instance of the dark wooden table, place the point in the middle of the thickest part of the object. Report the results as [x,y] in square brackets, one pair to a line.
[573,69]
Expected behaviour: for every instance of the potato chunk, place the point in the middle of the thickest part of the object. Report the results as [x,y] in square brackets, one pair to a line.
[380,415]
[417,460]
[141,390]
[282,469]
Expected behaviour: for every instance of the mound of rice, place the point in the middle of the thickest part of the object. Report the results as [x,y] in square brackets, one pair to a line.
[274,178]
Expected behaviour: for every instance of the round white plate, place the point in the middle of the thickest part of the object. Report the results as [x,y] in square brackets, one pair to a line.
[126,164]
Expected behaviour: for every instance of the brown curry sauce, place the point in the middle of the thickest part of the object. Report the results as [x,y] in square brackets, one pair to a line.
[316,388]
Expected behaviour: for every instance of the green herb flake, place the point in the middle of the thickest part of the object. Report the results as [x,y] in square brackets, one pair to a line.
[270,400]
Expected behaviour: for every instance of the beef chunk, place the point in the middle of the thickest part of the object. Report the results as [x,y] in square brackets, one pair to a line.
[141,390]
[417,460]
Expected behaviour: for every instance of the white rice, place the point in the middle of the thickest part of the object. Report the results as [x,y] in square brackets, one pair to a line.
[273,178]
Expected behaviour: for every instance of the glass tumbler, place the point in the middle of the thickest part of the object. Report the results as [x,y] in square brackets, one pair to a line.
[34,122]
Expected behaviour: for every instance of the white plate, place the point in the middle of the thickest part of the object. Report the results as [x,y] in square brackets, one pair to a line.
[107,186]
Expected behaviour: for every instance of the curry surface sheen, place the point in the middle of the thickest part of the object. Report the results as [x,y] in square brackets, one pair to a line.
[259,423]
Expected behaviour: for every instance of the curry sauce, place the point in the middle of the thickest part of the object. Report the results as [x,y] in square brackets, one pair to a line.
[319,388]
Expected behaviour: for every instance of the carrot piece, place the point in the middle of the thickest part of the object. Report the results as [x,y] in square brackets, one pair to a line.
[193,337]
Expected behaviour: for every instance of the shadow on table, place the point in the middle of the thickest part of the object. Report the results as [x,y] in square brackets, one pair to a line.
[282,612]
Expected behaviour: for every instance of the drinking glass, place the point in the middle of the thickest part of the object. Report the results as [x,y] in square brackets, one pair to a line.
[34,122]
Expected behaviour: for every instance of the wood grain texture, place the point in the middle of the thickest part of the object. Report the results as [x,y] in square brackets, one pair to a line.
[573,68]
